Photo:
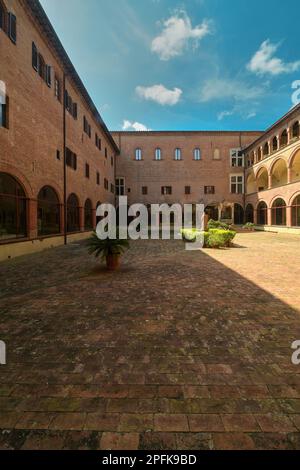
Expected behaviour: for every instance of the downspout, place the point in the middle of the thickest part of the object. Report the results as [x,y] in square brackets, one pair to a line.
[65,162]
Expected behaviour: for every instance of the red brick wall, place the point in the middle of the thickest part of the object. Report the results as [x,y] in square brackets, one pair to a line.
[28,148]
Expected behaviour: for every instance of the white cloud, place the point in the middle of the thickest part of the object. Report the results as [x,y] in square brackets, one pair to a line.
[231,89]
[134,126]
[263,62]
[160,94]
[224,114]
[177,31]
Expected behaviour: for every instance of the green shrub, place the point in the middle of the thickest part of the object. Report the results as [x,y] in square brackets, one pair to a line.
[216,224]
[190,234]
[213,238]
[249,226]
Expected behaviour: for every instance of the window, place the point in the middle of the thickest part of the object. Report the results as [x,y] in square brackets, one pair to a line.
[158,154]
[284,138]
[106,184]
[166,190]
[112,188]
[197,154]
[237,158]
[13,208]
[237,184]
[57,154]
[209,190]
[12,27]
[145,190]
[73,224]
[275,144]
[71,107]
[262,213]
[35,58]
[97,141]
[71,159]
[296,130]
[98,178]
[187,190]
[48,212]
[279,212]
[57,88]
[138,154]
[4,107]
[177,154]
[42,67]
[266,149]
[120,186]
[112,161]
[87,170]
[3,16]
[217,154]
[86,127]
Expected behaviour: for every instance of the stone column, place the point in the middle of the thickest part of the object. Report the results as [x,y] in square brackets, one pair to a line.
[32,219]
[289,216]
[81,219]
[269,181]
[269,216]
[289,175]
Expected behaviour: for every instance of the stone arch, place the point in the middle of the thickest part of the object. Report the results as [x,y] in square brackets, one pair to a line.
[295,166]
[279,173]
[295,206]
[251,186]
[73,213]
[249,213]
[262,179]
[278,209]
[88,215]
[13,208]
[262,213]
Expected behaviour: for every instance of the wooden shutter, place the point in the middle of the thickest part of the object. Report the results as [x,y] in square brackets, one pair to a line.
[12,27]
[48,75]
[35,57]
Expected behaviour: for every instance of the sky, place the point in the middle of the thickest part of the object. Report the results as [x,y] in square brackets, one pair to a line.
[183,65]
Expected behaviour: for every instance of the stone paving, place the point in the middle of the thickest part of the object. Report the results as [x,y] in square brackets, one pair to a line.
[178,350]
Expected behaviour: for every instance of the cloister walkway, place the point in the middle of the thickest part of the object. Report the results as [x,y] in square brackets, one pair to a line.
[178,350]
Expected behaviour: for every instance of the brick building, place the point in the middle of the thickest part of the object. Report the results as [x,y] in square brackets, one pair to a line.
[42,199]
[58,160]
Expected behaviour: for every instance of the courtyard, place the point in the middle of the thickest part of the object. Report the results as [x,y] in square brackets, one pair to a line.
[177,350]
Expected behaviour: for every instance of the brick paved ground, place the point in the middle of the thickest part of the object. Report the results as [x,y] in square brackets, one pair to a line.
[179,350]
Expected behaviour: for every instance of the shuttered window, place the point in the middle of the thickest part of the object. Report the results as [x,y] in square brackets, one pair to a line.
[12,27]
[35,57]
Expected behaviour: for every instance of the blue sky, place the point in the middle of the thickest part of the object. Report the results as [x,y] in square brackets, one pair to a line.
[191,65]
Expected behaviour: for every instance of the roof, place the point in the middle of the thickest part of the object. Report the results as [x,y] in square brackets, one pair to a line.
[42,19]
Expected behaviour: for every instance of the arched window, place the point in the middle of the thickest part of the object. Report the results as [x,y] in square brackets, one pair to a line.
[48,212]
[178,154]
[266,149]
[158,154]
[88,215]
[279,212]
[262,213]
[295,167]
[259,154]
[249,214]
[296,212]
[275,144]
[197,154]
[13,208]
[295,130]
[284,138]
[138,154]
[238,214]
[73,223]
[279,173]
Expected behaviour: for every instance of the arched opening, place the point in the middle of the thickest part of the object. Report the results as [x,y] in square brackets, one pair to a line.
[98,219]
[262,213]
[238,214]
[262,179]
[296,212]
[279,173]
[13,208]
[279,212]
[275,144]
[73,222]
[226,213]
[212,212]
[251,184]
[296,130]
[3,17]
[295,173]
[48,212]
[249,214]
[88,215]
[266,149]
[284,138]
[259,154]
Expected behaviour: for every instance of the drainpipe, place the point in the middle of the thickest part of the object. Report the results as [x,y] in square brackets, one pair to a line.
[65,166]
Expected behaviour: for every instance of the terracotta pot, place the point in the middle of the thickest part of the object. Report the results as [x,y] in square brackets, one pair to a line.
[113,262]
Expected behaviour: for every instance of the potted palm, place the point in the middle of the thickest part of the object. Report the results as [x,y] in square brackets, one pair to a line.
[109,250]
